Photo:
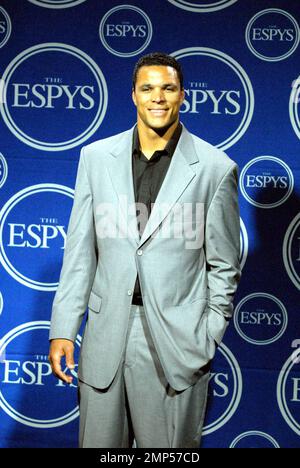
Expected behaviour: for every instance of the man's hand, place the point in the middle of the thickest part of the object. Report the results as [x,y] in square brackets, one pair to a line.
[58,348]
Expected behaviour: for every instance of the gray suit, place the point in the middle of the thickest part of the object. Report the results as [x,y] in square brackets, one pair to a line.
[187,292]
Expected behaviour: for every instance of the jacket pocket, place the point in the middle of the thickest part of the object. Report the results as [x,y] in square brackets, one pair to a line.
[94,302]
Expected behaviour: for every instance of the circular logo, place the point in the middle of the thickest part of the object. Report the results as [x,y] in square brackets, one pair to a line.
[290,251]
[260,318]
[288,391]
[125,30]
[243,244]
[56,3]
[294,107]
[225,389]
[266,182]
[54,98]
[3,170]
[272,35]
[5,27]
[202,6]
[219,98]
[254,439]
[43,401]
[33,233]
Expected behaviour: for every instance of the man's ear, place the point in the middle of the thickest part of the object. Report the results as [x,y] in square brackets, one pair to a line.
[133,96]
[182,95]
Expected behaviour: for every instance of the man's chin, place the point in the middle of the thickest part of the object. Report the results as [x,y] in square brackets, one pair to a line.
[161,128]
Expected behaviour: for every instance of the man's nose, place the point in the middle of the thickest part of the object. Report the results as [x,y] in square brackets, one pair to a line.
[158,95]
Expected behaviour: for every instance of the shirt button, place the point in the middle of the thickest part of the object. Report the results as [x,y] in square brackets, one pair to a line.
[140,252]
[129,292]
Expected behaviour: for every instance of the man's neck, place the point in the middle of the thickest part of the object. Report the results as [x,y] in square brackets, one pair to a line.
[151,140]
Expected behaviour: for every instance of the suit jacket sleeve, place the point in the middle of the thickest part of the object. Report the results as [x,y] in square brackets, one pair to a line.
[79,262]
[222,244]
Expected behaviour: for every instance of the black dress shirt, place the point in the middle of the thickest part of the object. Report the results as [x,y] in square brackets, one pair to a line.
[148,176]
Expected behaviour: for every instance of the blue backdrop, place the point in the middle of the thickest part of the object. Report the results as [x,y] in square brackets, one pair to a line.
[66,69]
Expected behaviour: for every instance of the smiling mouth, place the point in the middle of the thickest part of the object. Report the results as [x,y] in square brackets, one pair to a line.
[158,112]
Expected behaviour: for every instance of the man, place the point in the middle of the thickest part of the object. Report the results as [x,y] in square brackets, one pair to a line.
[158,300]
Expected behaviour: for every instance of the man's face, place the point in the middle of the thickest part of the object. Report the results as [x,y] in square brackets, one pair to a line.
[157,96]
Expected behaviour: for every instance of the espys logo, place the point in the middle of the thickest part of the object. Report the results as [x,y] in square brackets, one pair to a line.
[33,234]
[5,27]
[288,392]
[3,170]
[254,439]
[219,97]
[272,35]
[202,6]
[266,182]
[125,30]
[225,388]
[294,106]
[260,318]
[243,244]
[291,251]
[56,3]
[54,97]
[44,401]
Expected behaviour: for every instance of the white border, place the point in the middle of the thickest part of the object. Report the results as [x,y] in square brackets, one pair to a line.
[9,27]
[1,309]
[204,8]
[287,251]
[265,57]
[244,242]
[51,4]
[236,394]
[5,170]
[245,81]
[254,433]
[294,106]
[281,400]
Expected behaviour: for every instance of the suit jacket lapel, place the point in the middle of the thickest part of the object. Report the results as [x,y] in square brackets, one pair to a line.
[120,171]
[178,177]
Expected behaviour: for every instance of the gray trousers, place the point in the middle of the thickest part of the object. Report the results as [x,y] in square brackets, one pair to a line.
[140,404]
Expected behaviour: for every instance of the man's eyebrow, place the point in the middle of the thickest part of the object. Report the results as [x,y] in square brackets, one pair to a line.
[164,85]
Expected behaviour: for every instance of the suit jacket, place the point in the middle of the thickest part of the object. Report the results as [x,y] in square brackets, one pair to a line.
[187,287]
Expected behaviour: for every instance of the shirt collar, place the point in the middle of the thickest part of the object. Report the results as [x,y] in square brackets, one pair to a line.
[169,148]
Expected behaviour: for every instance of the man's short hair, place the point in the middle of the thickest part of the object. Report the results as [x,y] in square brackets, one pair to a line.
[157,58]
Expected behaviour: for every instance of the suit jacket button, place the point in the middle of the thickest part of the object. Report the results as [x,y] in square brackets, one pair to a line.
[129,292]
[140,252]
